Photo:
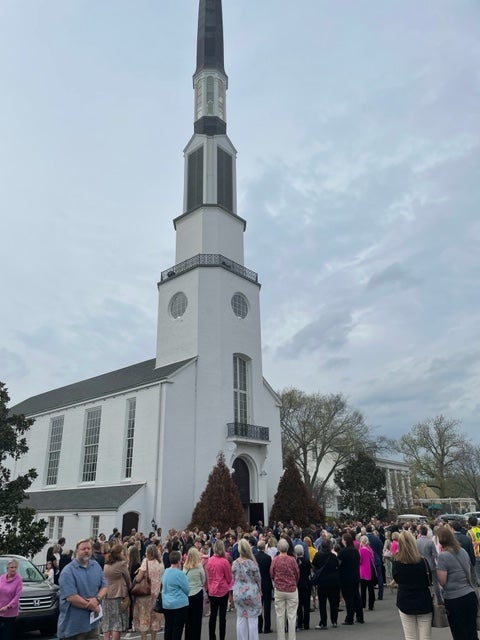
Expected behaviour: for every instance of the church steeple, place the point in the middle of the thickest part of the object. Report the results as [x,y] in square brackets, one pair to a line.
[210,157]
[210,36]
[210,80]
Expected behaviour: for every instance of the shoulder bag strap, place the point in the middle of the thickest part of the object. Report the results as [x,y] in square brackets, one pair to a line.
[467,573]
[429,572]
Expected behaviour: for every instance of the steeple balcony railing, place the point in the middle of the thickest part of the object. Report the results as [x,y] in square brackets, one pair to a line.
[209,260]
[252,432]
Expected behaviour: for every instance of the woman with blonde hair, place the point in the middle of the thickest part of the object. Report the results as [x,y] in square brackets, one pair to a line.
[311,549]
[453,573]
[272,547]
[413,577]
[11,585]
[367,573]
[219,578]
[195,573]
[247,591]
[145,619]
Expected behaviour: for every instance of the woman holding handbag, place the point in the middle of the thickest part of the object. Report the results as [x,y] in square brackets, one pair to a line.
[115,604]
[145,619]
[414,599]
[461,600]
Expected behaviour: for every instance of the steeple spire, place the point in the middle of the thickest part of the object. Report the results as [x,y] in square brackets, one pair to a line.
[210,36]
[210,80]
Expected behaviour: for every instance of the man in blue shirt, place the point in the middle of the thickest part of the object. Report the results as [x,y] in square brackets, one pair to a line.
[82,587]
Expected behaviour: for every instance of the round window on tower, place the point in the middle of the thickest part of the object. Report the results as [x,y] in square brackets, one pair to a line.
[240,305]
[178,305]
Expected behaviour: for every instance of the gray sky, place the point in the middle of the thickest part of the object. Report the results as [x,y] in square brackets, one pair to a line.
[358,128]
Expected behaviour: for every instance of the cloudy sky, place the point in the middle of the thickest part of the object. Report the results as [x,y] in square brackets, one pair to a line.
[357,124]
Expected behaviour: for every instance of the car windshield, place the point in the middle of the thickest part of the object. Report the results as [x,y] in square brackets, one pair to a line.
[26,569]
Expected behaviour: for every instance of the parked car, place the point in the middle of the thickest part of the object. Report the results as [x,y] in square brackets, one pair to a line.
[473,513]
[414,517]
[450,517]
[38,601]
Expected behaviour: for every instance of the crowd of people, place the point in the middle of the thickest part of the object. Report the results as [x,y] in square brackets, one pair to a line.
[115,582]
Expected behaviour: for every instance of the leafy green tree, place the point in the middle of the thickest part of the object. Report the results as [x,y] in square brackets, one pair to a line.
[220,505]
[362,486]
[434,449]
[293,500]
[321,430]
[19,533]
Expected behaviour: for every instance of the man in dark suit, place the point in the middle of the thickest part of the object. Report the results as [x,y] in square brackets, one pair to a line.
[264,561]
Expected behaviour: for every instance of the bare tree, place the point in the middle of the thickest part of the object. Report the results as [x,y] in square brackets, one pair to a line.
[468,471]
[433,449]
[320,429]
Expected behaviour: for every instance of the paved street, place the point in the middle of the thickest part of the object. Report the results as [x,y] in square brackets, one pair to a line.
[381,624]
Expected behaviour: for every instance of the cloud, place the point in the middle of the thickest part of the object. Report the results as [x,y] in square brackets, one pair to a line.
[12,365]
[395,274]
[330,331]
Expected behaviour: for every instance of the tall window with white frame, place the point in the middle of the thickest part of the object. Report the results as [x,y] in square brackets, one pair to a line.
[131,408]
[51,527]
[95,526]
[240,390]
[90,447]
[59,526]
[54,448]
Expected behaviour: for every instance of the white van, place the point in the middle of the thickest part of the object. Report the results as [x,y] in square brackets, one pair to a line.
[405,517]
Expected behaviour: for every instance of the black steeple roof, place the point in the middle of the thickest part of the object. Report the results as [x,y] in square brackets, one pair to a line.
[210,36]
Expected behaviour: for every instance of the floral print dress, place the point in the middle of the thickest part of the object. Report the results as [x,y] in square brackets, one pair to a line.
[247,588]
[144,618]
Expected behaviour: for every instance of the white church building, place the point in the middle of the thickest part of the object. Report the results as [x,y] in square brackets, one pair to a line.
[133,447]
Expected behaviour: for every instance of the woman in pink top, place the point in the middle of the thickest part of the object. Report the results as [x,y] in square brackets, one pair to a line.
[219,579]
[284,572]
[10,589]
[367,573]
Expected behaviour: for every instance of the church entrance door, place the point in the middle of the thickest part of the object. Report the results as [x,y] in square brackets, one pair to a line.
[241,478]
[129,522]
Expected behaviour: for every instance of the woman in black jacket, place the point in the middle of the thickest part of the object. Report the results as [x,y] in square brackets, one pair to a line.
[414,601]
[349,560]
[327,580]
[304,588]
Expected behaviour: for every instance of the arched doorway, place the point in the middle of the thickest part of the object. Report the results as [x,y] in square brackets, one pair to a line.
[242,480]
[129,522]
[241,477]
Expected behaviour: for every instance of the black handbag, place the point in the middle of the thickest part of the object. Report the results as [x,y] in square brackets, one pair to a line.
[158,608]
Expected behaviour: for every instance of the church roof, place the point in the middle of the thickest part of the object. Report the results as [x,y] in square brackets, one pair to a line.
[90,499]
[136,375]
[210,36]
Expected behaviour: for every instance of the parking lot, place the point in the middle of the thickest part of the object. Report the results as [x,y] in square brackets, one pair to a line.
[383,622]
